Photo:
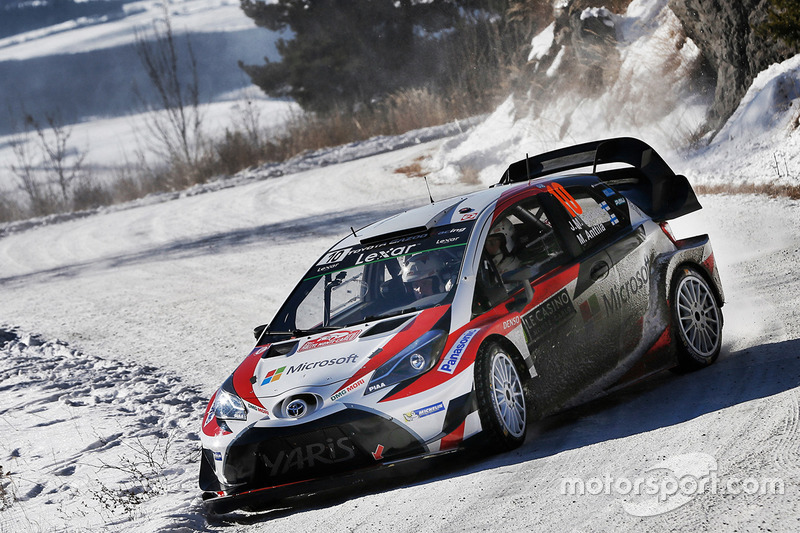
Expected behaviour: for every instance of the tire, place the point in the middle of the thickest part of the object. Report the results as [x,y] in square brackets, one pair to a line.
[501,397]
[697,319]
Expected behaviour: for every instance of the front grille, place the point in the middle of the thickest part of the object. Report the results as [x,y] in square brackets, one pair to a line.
[344,441]
[313,454]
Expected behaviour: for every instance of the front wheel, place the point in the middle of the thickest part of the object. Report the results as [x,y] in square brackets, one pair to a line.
[698,320]
[501,398]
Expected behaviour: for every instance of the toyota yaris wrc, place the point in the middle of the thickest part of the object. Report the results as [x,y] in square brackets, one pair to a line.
[460,321]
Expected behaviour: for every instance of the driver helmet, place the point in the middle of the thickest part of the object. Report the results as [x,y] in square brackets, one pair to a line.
[505,231]
[417,269]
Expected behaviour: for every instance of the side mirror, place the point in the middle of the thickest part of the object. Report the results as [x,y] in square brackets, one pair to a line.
[522,299]
[259,330]
[523,277]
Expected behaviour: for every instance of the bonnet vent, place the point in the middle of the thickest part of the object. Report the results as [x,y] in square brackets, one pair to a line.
[286,348]
[386,325]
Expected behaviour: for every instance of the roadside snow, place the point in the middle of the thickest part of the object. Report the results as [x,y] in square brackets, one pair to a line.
[761,141]
[89,441]
[649,98]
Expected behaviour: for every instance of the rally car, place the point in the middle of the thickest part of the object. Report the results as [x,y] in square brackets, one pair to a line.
[456,323]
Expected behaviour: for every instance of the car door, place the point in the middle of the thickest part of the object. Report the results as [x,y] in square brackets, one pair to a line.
[602,229]
[588,224]
[557,321]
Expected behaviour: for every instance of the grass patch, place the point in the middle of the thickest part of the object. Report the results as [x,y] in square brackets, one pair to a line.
[768,189]
[414,170]
[7,496]
[241,147]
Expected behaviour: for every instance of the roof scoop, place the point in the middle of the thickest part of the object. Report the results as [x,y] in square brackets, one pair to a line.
[406,224]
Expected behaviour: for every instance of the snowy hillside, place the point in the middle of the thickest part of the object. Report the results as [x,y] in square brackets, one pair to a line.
[116,328]
[86,68]
[87,74]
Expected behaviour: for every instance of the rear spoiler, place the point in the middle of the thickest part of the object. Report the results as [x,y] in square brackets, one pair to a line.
[647,180]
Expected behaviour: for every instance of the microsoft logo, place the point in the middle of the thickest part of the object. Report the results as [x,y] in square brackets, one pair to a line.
[273,375]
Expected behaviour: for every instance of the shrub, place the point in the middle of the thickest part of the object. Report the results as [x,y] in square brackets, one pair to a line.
[783,22]
[7,496]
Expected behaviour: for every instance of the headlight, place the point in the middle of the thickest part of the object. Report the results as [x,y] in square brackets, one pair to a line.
[416,359]
[228,406]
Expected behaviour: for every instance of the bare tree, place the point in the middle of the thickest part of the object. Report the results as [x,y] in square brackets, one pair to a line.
[247,119]
[65,165]
[46,166]
[176,119]
[25,170]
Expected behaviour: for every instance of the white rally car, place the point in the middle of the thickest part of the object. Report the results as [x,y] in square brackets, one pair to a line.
[457,322]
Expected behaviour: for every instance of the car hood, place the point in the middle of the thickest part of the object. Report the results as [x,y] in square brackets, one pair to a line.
[331,360]
[317,361]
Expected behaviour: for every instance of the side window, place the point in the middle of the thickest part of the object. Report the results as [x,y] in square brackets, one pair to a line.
[592,220]
[539,246]
[520,244]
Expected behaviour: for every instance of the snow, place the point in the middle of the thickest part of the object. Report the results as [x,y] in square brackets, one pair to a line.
[648,99]
[82,49]
[111,145]
[116,327]
[598,12]
[157,303]
[542,42]
[84,35]
[759,144]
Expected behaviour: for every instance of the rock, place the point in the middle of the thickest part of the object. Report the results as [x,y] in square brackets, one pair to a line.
[724,32]
[7,337]
[594,42]
[583,49]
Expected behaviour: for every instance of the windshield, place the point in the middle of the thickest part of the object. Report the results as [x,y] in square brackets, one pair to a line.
[354,284]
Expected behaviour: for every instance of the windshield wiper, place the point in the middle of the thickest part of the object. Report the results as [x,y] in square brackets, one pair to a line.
[389,315]
[303,332]
[314,331]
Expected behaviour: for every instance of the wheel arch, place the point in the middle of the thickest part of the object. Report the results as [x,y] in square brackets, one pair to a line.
[509,346]
[495,426]
[703,272]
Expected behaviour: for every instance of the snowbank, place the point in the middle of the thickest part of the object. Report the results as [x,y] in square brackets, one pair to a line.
[649,98]
[760,143]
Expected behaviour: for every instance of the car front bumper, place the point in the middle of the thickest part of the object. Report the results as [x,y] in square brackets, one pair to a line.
[268,457]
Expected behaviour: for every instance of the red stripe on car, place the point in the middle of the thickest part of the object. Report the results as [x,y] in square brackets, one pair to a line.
[242,376]
[515,195]
[709,263]
[416,328]
[490,322]
[453,439]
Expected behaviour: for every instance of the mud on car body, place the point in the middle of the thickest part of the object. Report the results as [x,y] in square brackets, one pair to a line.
[457,322]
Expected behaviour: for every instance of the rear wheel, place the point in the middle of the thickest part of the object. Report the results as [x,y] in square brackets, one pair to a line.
[501,398]
[697,319]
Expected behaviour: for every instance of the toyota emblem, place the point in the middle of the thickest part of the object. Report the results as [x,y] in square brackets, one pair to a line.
[297,408]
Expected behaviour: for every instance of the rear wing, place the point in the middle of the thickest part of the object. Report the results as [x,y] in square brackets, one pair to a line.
[647,179]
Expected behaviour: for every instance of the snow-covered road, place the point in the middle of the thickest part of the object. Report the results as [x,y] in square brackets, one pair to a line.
[154,307]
